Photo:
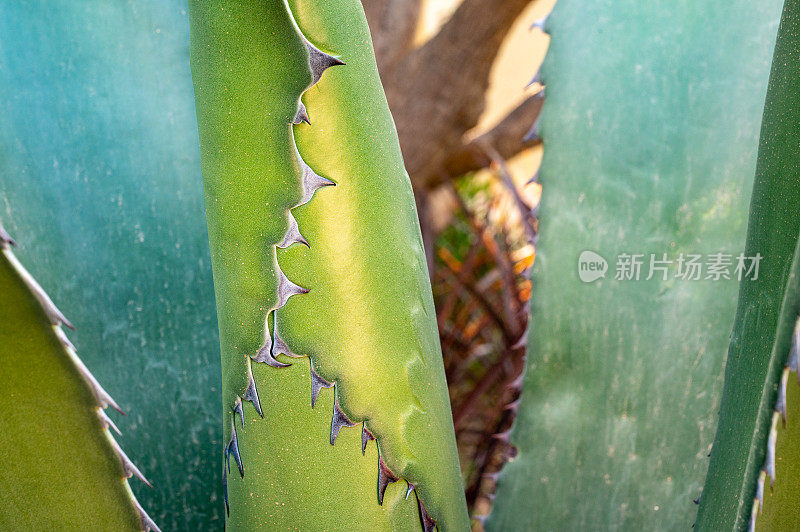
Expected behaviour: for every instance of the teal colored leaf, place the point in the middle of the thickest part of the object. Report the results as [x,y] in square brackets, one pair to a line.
[650,131]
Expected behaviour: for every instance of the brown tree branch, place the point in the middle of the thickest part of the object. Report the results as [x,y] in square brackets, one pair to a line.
[392,24]
[505,138]
[437,91]
[525,212]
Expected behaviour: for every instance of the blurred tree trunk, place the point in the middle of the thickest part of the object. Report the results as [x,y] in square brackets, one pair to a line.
[393,24]
[437,91]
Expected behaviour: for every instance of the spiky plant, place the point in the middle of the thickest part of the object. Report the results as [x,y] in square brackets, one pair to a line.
[754,447]
[62,468]
[100,182]
[325,312]
[326,316]
[649,148]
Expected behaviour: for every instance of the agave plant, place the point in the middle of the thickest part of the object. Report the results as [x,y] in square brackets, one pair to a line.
[335,411]
[318,286]
[369,283]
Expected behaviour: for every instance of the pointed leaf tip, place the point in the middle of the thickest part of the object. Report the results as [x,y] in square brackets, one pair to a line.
[266,348]
[319,62]
[292,235]
[101,396]
[5,239]
[148,525]
[301,115]
[537,78]
[366,437]
[540,23]
[251,394]
[287,289]
[338,420]
[318,383]
[516,384]
[512,407]
[55,316]
[311,182]
[233,449]
[106,421]
[385,477]
[128,466]
[264,356]
[238,410]
[503,436]
[62,337]
[428,524]
[281,347]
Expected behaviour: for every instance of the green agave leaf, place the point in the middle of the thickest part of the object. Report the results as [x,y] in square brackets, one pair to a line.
[750,440]
[100,171]
[649,129]
[62,469]
[330,279]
